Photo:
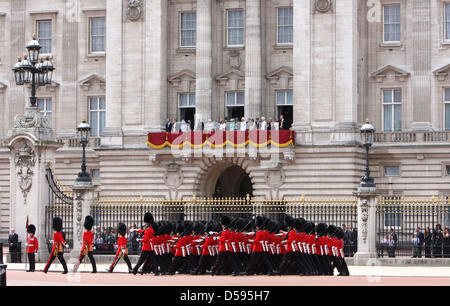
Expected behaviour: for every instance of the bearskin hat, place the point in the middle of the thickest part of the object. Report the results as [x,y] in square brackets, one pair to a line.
[179,228]
[288,220]
[156,228]
[198,227]
[31,229]
[122,229]
[339,233]
[88,223]
[209,227]
[57,224]
[307,227]
[148,218]
[321,229]
[331,229]
[225,220]
[297,224]
[259,221]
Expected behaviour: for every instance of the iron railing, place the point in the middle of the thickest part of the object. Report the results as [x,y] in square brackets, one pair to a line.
[403,216]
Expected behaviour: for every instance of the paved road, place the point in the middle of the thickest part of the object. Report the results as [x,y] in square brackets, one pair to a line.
[361,276]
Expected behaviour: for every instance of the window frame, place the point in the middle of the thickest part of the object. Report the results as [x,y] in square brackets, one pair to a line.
[285,91]
[98,111]
[445,102]
[383,104]
[387,42]
[39,20]
[446,34]
[180,30]
[46,111]
[227,28]
[90,36]
[277,43]
[189,94]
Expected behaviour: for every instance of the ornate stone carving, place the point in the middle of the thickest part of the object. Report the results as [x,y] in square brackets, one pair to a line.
[275,177]
[24,160]
[323,6]
[134,10]
[364,218]
[31,119]
[78,212]
[174,176]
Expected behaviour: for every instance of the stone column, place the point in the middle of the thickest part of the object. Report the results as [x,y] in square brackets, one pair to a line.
[421,63]
[203,81]
[253,59]
[302,67]
[33,146]
[84,195]
[114,52]
[155,100]
[367,208]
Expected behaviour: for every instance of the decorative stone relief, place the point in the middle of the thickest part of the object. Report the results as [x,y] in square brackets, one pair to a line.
[31,120]
[275,177]
[323,6]
[364,218]
[79,214]
[134,10]
[235,59]
[25,160]
[174,176]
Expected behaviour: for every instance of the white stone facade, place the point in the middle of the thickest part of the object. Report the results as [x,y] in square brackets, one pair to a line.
[338,66]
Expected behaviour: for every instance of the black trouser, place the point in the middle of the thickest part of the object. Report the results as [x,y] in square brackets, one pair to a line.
[147,258]
[116,261]
[259,263]
[31,261]
[91,258]
[61,260]
[289,258]
[178,262]
[205,263]
[428,250]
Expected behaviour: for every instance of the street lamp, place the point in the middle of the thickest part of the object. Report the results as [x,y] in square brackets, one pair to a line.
[30,69]
[83,131]
[367,132]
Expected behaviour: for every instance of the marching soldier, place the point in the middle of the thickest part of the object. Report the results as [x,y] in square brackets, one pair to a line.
[88,245]
[32,246]
[122,250]
[58,246]
[147,255]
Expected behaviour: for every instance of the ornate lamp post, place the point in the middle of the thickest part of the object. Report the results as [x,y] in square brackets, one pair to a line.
[367,132]
[32,70]
[83,131]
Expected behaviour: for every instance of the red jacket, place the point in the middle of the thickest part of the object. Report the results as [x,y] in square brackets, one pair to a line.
[32,244]
[290,242]
[147,239]
[88,241]
[224,244]
[258,241]
[58,243]
[208,246]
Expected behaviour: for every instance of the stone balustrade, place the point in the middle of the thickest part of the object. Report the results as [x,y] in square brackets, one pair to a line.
[412,137]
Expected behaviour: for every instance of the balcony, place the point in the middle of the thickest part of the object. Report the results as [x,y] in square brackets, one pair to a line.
[412,137]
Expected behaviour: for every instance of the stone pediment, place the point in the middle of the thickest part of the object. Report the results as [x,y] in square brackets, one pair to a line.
[232,78]
[280,73]
[87,81]
[442,72]
[184,79]
[399,74]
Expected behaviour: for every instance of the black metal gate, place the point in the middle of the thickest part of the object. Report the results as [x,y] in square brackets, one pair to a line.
[60,204]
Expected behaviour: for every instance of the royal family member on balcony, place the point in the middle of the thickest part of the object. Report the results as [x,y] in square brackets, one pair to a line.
[58,246]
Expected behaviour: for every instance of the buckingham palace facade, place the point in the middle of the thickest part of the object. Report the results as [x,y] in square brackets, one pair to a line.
[325,65]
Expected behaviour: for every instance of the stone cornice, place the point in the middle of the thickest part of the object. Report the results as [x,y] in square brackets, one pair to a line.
[380,75]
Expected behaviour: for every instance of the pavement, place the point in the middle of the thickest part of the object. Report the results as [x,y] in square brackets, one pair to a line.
[360,276]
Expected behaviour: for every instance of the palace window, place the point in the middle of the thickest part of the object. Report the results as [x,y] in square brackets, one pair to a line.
[392,110]
[97,34]
[45,104]
[285,102]
[447,109]
[447,20]
[186,104]
[235,28]
[392,171]
[97,115]
[285,25]
[391,23]
[235,101]
[188,29]
[44,30]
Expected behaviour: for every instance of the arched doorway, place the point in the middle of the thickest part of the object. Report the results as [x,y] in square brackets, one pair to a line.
[231,181]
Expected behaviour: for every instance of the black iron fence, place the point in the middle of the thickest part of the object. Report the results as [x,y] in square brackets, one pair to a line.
[408,227]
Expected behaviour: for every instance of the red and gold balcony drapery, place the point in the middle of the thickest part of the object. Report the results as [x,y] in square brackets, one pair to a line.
[278,138]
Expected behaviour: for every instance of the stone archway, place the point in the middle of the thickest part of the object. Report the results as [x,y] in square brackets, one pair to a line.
[225,178]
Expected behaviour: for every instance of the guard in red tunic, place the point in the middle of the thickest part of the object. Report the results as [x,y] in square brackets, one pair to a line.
[32,247]
[88,245]
[122,250]
[58,246]
[147,257]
